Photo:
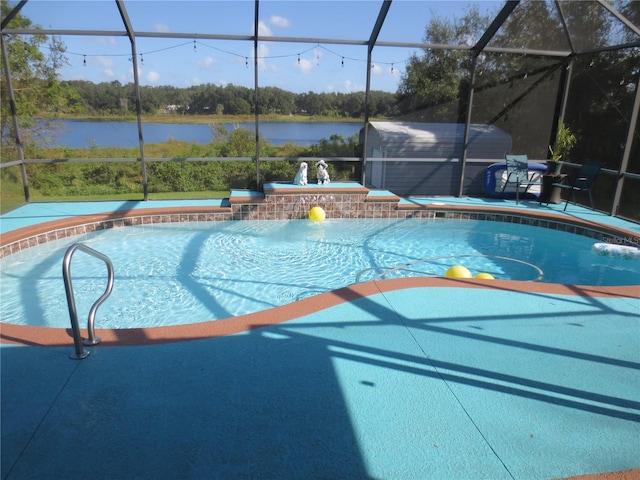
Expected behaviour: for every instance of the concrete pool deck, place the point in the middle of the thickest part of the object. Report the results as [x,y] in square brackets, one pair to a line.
[396,379]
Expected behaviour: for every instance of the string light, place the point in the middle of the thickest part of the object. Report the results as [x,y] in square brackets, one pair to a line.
[195,44]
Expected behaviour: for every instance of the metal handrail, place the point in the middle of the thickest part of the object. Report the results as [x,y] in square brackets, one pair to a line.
[80,353]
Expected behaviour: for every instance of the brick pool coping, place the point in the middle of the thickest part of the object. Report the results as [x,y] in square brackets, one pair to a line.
[289,204]
[47,336]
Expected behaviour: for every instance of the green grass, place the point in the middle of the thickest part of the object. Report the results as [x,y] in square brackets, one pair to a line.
[9,203]
[130,196]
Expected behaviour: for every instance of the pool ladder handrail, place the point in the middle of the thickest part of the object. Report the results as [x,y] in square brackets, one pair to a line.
[80,353]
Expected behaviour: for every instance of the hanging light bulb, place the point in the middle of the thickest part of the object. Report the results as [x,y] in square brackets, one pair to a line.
[195,49]
[392,68]
[246,62]
[141,60]
[298,59]
[342,62]
[84,60]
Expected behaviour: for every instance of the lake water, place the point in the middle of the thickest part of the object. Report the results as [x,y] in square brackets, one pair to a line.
[82,134]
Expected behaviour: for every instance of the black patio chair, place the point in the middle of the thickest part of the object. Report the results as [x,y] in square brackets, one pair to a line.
[583,181]
[518,173]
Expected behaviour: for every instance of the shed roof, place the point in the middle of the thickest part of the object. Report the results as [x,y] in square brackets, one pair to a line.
[429,131]
[405,139]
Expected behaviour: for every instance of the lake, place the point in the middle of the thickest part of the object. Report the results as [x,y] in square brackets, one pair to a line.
[85,134]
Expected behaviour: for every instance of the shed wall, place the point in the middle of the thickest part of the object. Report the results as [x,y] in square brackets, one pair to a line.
[407,146]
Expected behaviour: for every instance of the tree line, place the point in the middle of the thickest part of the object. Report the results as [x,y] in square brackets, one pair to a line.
[114,98]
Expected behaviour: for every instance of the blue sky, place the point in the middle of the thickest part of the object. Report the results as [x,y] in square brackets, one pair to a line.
[296,67]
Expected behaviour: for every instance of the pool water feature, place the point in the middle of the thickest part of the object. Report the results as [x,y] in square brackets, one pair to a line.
[176,273]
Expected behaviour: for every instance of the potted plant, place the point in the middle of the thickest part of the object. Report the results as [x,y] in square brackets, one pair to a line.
[565,141]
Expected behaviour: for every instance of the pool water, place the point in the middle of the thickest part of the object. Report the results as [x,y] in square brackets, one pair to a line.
[177,273]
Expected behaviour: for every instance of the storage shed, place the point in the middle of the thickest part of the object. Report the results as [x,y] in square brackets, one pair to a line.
[410,158]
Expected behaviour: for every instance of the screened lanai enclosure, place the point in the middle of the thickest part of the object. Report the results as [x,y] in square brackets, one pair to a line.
[524,71]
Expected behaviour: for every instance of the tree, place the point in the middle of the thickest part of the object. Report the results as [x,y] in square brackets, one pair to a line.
[437,82]
[519,92]
[36,86]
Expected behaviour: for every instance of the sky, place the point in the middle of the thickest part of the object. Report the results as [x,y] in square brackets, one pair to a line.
[317,66]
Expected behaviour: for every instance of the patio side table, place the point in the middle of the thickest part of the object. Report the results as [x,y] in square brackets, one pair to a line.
[549,193]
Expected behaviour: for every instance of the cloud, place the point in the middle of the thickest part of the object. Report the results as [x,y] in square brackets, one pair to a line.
[104,61]
[108,73]
[279,21]
[106,40]
[161,27]
[263,52]
[153,77]
[263,30]
[241,60]
[207,62]
[304,65]
[376,69]
[348,87]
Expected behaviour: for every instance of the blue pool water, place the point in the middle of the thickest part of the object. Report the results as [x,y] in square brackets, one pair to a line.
[169,274]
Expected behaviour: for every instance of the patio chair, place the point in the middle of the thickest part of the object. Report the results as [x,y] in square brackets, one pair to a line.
[583,181]
[518,173]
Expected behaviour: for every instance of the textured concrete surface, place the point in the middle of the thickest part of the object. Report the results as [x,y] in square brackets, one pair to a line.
[442,383]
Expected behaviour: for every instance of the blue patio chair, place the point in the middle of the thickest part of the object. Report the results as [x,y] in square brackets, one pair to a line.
[518,173]
[582,182]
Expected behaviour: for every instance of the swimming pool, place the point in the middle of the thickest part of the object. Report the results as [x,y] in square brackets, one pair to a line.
[167,274]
